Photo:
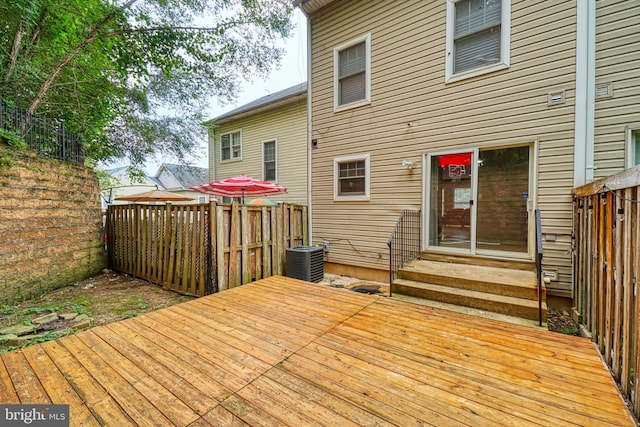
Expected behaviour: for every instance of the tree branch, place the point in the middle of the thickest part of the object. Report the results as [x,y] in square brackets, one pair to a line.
[37,100]
[158,29]
[13,54]
[35,37]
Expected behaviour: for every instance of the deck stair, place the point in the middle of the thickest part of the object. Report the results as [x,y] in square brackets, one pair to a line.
[495,289]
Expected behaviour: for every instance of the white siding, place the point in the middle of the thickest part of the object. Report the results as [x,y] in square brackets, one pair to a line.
[285,124]
[617,63]
[407,82]
[168,180]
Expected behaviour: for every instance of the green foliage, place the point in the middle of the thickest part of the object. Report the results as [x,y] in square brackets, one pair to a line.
[12,138]
[572,330]
[7,309]
[110,68]
[6,159]
[39,310]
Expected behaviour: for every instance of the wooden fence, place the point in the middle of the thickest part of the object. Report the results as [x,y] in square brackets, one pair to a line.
[606,267]
[202,249]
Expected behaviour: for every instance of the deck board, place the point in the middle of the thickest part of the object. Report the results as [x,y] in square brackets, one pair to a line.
[281,351]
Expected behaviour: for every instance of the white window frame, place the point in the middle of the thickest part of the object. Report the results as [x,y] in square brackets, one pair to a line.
[367,179]
[264,170]
[366,38]
[231,159]
[630,146]
[505,44]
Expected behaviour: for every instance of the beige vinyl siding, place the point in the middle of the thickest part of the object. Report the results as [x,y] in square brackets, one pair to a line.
[287,125]
[507,107]
[617,63]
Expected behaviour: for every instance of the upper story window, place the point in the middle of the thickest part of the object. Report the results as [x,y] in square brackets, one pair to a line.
[231,146]
[352,73]
[633,150]
[351,177]
[478,37]
[269,161]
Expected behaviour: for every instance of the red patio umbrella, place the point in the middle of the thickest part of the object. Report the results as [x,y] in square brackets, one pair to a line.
[240,186]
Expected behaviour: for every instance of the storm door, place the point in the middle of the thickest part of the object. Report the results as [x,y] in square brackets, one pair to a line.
[476,202]
[450,201]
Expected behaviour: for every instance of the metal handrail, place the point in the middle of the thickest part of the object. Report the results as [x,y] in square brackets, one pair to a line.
[405,242]
[539,254]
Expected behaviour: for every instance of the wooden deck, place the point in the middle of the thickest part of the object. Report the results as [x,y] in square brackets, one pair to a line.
[285,352]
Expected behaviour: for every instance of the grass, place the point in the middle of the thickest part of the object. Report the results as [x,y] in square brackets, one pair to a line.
[573,330]
[104,298]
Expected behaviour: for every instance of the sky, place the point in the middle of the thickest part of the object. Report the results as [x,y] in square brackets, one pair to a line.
[292,71]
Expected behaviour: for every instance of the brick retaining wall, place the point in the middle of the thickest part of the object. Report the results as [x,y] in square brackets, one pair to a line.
[50,225]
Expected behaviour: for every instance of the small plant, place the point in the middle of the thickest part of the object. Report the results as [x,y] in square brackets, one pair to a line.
[8,309]
[6,161]
[572,330]
[12,138]
[38,310]
[80,306]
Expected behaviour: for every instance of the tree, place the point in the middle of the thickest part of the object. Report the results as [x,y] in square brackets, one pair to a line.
[110,68]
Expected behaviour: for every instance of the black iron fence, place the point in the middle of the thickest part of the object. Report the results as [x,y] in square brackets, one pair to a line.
[46,136]
[404,242]
[539,256]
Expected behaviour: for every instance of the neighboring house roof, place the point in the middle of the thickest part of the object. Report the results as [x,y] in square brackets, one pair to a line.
[116,171]
[187,176]
[270,101]
[122,174]
[156,181]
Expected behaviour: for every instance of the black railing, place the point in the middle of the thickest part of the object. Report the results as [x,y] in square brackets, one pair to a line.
[404,242]
[539,254]
[47,136]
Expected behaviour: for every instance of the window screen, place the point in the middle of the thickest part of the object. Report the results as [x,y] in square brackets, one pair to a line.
[477,34]
[352,74]
[231,144]
[351,178]
[269,156]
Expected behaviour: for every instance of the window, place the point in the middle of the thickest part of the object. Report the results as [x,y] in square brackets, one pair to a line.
[633,150]
[352,73]
[231,146]
[269,161]
[202,199]
[351,177]
[478,34]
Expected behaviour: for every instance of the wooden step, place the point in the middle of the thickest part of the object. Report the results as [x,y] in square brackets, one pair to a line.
[474,312]
[494,280]
[517,264]
[512,306]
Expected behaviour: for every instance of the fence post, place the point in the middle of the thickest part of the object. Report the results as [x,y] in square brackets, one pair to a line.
[223,283]
[244,230]
[211,250]
[305,227]
[168,250]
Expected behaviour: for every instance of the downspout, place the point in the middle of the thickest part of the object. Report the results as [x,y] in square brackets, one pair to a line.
[584,134]
[309,130]
[584,127]
[211,143]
